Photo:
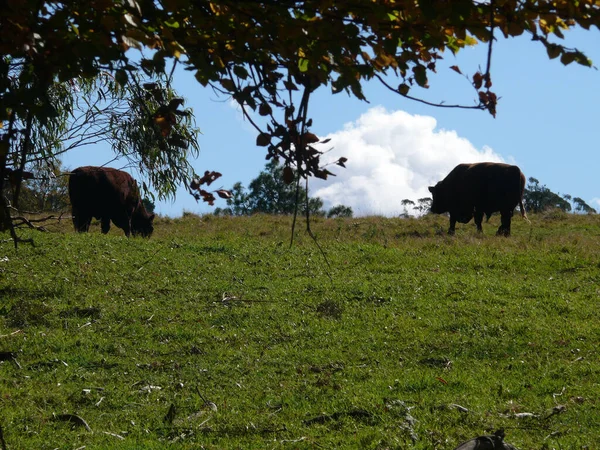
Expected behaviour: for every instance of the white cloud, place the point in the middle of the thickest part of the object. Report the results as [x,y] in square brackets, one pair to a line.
[392,155]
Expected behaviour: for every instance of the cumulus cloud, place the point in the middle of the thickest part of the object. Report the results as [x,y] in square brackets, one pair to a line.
[392,155]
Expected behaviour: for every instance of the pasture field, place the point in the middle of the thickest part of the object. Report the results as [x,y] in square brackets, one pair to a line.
[216,334]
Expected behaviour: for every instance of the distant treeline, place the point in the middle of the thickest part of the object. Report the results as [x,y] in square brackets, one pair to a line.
[268,193]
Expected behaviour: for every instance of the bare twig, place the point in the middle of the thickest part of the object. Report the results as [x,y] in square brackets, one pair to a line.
[489,55]
[74,419]
[10,334]
[420,100]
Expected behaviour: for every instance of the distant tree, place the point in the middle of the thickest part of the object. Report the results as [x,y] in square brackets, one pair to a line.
[406,203]
[539,198]
[46,189]
[340,211]
[423,205]
[582,206]
[270,194]
[149,205]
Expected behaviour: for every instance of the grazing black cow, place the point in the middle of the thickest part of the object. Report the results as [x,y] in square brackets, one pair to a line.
[472,190]
[108,194]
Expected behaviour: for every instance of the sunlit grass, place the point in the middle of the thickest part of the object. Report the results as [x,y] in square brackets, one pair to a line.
[216,333]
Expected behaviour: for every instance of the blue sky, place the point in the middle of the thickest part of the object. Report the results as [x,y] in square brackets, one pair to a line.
[547,123]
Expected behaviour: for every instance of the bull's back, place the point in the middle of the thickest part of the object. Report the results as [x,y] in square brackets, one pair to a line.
[101,190]
[495,186]
[83,186]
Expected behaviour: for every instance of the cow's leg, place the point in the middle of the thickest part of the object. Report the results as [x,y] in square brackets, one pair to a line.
[504,228]
[478,220]
[105,224]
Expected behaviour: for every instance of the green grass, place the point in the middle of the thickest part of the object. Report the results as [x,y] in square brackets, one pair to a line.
[373,351]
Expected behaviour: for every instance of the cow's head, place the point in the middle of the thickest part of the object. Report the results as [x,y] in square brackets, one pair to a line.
[439,203]
[141,223]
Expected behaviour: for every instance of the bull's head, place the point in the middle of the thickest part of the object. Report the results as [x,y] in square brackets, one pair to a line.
[439,204]
[141,223]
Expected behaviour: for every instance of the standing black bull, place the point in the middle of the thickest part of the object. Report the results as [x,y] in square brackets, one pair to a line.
[108,194]
[472,190]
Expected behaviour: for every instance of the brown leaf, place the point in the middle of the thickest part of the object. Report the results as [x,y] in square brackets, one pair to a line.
[477,80]
[488,81]
[323,174]
[209,177]
[288,175]
[207,197]
[309,138]
[456,69]
[223,193]
[264,109]
[341,161]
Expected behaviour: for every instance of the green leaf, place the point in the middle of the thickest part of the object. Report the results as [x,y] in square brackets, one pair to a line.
[227,84]
[420,75]
[240,72]
[568,57]
[553,50]
[470,40]
[172,23]
[303,64]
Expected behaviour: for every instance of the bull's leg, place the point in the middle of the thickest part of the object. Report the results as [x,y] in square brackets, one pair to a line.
[478,220]
[504,228]
[124,222]
[452,225]
[127,228]
[81,221]
[105,224]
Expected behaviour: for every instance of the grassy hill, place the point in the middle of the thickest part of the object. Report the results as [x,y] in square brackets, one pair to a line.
[216,334]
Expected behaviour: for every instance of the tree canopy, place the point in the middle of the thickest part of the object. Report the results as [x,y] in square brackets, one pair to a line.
[539,198]
[269,56]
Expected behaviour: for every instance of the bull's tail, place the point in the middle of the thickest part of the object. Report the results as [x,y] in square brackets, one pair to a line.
[523,213]
[522,192]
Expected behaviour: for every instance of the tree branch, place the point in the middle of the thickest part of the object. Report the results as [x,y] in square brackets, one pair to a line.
[438,105]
